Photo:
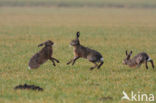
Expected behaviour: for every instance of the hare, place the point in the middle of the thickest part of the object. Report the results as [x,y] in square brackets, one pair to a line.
[137,60]
[83,52]
[43,55]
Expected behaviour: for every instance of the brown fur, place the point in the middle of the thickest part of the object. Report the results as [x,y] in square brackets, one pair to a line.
[83,52]
[43,55]
[137,60]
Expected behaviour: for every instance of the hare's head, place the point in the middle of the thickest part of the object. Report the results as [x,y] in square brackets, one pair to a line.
[76,41]
[128,56]
[46,43]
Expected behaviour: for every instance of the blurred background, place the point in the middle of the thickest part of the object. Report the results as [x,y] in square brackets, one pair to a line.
[82,3]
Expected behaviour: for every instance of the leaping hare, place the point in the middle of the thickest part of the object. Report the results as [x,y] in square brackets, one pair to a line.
[83,52]
[137,60]
[43,55]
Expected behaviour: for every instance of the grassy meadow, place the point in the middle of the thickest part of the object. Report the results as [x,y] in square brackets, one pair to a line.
[110,31]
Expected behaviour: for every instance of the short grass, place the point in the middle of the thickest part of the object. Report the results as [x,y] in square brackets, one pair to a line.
[111,31]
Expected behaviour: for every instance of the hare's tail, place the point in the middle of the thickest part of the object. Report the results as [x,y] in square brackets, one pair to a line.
[101,59]
[152,63]
[149,59]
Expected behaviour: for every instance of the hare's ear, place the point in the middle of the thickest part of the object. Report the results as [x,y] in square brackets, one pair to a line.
[41,44]
[126,53]
[77,35]
[130,53]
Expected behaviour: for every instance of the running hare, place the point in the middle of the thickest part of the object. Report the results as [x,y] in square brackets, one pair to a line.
[137,60]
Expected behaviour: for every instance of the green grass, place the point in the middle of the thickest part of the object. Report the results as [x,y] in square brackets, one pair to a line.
[110,31]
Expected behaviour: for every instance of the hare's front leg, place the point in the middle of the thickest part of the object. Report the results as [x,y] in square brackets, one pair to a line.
[69,61]
[55,59]
[52,60]
[73,60]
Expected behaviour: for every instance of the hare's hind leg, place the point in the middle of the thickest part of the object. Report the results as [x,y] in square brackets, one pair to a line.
[146,64]
[101,63]
[152,63]
[95,65]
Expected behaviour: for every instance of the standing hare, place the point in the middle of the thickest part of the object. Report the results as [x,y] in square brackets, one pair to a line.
[84,52]
[43,55]
[137,60]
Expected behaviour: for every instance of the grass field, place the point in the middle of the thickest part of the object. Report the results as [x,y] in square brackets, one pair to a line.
[111,31]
